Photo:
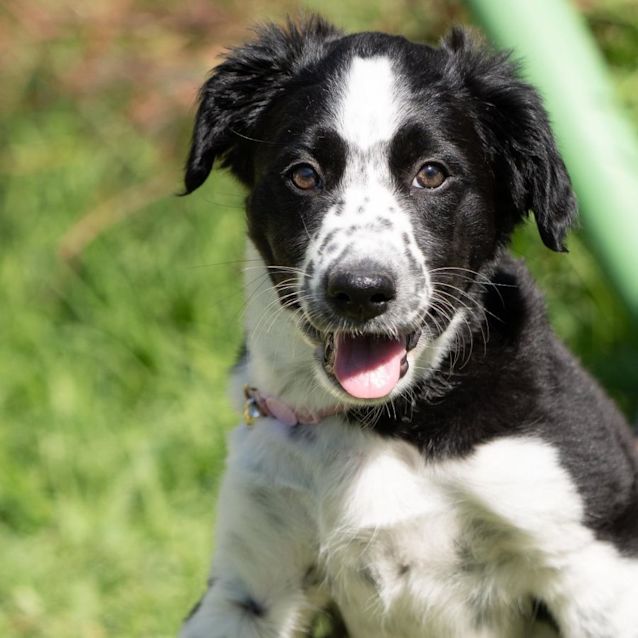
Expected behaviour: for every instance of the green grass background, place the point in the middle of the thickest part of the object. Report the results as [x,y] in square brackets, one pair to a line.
[120,305]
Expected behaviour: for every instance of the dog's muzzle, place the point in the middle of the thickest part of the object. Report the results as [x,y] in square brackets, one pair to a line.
[357,319]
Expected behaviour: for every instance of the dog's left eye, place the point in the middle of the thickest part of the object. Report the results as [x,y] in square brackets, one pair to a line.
[430,175]
[304,177]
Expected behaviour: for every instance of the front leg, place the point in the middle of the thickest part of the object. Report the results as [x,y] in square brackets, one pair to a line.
[594,595]
[519,487]
[228,610]
[264,581]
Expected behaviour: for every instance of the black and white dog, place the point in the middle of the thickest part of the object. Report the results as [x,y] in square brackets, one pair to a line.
[419,450]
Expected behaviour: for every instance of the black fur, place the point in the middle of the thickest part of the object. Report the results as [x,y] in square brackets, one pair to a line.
[513,125]
[242,88]
[523,381]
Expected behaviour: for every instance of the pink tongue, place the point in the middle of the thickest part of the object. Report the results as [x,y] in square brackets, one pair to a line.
[368,367]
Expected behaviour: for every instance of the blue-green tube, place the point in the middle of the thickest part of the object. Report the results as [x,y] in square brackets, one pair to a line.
[600,148]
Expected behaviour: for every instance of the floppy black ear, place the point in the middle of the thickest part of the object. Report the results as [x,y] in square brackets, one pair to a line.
[511,119]
[240,90]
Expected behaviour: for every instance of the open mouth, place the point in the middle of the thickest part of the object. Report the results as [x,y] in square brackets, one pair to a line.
[368,366]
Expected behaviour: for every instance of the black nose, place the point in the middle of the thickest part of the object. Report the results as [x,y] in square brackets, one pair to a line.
[360,294]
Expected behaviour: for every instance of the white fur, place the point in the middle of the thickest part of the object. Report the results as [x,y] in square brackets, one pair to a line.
[282,360]
[370,105]
[406,546]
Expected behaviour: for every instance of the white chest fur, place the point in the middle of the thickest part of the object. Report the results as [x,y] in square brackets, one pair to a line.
[405,546]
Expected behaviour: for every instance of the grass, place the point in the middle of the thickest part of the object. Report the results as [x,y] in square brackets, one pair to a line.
[113,364]
[114,405]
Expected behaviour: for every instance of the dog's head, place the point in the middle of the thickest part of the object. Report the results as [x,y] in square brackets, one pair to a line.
[386,176]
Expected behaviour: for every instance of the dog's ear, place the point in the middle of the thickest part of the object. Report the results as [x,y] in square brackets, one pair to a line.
[528,170]
[241,88]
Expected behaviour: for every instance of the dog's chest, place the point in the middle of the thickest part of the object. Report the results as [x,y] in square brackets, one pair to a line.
[403,544]
[391,539]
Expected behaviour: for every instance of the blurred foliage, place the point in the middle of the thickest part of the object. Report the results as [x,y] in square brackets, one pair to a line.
[120,304]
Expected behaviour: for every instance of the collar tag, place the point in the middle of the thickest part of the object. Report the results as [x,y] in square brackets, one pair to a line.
[252,408]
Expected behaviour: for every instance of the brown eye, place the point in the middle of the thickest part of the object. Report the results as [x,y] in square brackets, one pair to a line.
[430,175]
[304,177]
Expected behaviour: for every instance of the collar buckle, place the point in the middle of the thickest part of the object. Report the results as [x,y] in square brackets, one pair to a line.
[252,408]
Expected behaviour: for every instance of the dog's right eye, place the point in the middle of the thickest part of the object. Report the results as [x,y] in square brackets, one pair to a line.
[304,177]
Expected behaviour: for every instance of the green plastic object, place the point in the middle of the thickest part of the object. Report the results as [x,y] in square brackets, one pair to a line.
[560,57]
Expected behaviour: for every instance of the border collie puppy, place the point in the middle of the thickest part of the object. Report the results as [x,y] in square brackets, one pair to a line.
[418,450]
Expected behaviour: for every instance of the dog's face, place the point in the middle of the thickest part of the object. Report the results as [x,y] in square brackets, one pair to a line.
[384,178]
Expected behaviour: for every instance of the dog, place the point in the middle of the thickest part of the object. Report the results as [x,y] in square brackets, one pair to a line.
[418,450]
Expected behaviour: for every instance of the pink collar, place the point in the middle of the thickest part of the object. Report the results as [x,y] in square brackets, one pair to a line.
[261,405]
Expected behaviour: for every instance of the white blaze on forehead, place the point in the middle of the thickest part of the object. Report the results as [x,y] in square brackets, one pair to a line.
[369,105]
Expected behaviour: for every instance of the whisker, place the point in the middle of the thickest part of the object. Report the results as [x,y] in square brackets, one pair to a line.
[252,139]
